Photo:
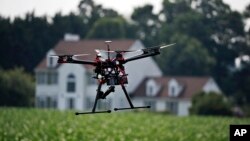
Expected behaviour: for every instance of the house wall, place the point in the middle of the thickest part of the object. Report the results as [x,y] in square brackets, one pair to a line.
[45,91]
[156,104]
[79,72]
[211,86]
[179,106]
[161,104]
[183,107]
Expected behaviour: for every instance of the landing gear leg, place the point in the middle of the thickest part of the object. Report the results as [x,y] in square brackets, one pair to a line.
[129,101]
[96,99]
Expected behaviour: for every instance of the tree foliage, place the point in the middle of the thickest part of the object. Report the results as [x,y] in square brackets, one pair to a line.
[187,57]
[108,28]
[147,24]
[16,88]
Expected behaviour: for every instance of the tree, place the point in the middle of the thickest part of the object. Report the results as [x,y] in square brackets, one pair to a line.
[25,41]
[90,12]
[71,23]
[16,88]
[147,24]
[108,28]
[242,80]
[226,38]
[172,9]
[210,104]
[187,57]
[218,29]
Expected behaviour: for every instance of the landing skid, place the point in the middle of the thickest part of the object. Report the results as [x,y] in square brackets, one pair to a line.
[118,109]
[109,111]
[96,112]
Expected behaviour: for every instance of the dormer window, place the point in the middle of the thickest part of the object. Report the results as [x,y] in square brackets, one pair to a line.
[174,88]
[51,61]
[151,88]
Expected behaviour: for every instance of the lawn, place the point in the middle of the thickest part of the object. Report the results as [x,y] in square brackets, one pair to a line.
[52,125]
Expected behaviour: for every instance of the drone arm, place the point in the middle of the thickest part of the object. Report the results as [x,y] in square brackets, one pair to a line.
[84,62]
[149,52]
[144,55]
[70,60]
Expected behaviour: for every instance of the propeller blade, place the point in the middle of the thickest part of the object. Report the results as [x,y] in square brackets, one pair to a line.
[80,55]
[167,45]
[54,56]
[108,41]
[97,50]
[123,51]
[115,51]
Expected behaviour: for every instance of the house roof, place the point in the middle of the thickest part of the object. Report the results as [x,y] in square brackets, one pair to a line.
[86,47]
[191,86]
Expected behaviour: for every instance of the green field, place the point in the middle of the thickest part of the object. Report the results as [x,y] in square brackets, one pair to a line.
[51,125]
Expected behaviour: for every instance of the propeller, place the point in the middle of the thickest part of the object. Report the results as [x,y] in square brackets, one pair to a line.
[127,51]
[155,49]
[159,47]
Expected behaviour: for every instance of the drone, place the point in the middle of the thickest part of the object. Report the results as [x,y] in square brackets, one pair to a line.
[110,71]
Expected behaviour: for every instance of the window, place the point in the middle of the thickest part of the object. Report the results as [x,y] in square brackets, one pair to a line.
[71,103]
[172,106]
[48,102]
[54,104]
[50,62]
[151,88]
[52,77]
[40,78]
[40,102]
[71,84]
[150,91]
[49,78]
[172,90]
[152,104]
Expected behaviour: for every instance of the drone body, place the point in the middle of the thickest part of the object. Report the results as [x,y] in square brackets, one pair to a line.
[110,71]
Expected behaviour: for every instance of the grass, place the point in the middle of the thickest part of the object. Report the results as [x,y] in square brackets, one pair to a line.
[52,125]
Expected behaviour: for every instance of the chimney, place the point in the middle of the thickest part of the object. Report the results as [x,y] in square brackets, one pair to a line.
[71,37]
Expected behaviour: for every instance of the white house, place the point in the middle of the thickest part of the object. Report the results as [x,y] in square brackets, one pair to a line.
[70,86]
[172,94]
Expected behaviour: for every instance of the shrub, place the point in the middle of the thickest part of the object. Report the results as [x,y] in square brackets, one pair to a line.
[210,104]
[16,88]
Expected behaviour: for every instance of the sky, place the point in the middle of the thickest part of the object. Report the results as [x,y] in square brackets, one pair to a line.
[12,8]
